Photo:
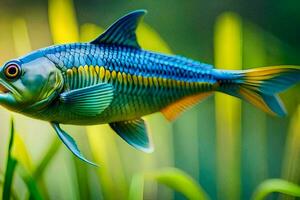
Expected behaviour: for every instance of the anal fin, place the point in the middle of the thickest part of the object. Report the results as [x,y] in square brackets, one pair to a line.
[172,111]
[135,133]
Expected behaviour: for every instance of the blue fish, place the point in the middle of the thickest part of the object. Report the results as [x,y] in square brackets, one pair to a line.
[113,80]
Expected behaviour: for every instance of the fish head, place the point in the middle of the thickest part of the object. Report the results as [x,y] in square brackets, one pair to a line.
[28,83]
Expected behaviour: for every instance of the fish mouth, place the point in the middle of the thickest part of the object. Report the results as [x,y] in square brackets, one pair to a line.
[3,89]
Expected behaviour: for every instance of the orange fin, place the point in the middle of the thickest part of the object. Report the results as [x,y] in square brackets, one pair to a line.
[172,111]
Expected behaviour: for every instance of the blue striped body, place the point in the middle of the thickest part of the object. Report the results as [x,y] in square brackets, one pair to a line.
[144,82]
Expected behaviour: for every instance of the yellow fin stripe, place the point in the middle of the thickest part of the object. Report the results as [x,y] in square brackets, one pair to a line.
[102,73]
[172,111]
[89,75]
[256,100]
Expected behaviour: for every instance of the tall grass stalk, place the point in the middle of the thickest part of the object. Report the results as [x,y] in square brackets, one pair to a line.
[291,162]
[11,165]
[25,167]
[47,157]
[62,21]
[228,55]
[21,39]
[105,153]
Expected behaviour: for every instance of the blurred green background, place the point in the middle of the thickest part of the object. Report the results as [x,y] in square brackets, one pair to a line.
[220,149]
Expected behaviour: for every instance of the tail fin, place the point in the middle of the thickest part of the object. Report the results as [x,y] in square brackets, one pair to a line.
[260,86]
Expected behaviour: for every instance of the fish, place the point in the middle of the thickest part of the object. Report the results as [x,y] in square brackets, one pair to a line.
[112,80]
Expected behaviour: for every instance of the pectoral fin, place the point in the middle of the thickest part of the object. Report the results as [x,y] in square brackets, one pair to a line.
[70,143]
[134,132]
[88,101]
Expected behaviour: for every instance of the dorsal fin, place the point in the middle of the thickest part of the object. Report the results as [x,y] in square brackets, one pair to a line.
[172,111]
[122,32]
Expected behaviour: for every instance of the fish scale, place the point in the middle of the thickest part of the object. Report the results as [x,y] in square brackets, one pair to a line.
[165,83]
[81,54]
[174,67]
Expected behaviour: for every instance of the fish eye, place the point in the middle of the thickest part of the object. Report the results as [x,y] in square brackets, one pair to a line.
[12,71]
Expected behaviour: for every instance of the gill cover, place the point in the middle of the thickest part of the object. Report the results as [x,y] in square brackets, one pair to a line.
[38,82]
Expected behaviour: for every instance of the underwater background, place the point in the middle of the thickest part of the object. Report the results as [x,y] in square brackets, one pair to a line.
[222,148]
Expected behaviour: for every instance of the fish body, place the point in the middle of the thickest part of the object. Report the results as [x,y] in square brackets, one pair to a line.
[143,82]
[113,80]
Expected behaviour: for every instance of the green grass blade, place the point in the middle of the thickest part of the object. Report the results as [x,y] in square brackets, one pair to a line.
[1,182]
[181,182]
[62,21]
[136,189]
[171,177]
[30,182]
[43,164]
[1,178]
[20,153]
[21,39]
[228,55]
[13,193]
[105,152]
[291,162]
[276,185]
[11,139]
[9,174]
[10,167]
[48,156]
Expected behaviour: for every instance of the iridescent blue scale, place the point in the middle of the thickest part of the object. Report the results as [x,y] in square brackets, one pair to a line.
[128,60]
[161,79]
